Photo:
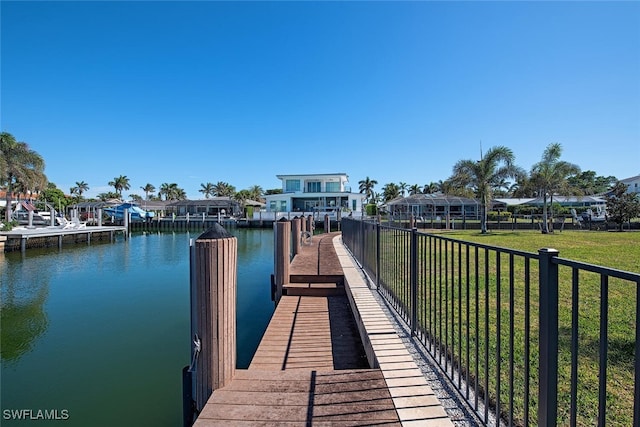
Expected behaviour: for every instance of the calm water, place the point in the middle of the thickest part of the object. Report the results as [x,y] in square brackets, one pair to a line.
[102,331]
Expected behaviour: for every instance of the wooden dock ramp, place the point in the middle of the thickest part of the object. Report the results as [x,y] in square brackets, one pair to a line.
[311,368]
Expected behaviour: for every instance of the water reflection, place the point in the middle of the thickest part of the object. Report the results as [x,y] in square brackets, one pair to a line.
[22,314]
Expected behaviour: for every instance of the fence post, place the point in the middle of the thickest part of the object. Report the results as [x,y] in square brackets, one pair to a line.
[548,338]
[378,255]
[413,279]
[213,310]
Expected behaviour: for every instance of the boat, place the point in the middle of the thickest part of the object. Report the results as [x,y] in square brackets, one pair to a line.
[136,213]
[596,213]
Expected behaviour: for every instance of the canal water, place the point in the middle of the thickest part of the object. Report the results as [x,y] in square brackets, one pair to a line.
[98,335]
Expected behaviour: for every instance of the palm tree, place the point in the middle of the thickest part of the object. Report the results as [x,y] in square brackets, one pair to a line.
[403,186]
[165,190]
[241,197]
[206,189]
[366,186]
[430,188]
[180,194]
[390,191]
[20,167]
[120,184]
[148,189]
[551,175]
[172,191]
[82,187]
[482,176]
[414,189]
[255,193]
[223,189]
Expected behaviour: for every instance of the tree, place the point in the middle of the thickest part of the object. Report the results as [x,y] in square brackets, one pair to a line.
[483,175]
[120,184]
[366,187]
[430,188]
[551,175]
[414,189]
[171,191]
[20,168]
[81,187]
[403,187]
[523,187]
[148,190]
[206,189]
[106,196]
[446,187]
[390,191]
[223,189]
[241,197]
[589,183]
[622,206]
[273,191]
[54,197]
[255,193]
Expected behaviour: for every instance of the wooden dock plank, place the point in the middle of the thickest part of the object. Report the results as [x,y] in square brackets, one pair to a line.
[311,367]
[354,397]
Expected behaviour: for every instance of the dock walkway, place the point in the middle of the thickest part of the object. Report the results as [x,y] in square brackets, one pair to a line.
[328,357]
[22,238]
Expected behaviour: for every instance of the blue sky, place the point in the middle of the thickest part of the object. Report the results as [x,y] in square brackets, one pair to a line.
[196,92]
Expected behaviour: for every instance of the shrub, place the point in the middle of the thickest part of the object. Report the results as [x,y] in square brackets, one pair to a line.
[504,216]
[371,209]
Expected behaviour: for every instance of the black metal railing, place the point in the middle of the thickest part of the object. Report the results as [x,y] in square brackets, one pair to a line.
[529,338]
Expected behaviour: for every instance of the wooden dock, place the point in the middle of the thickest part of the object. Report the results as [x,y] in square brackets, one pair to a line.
[313,366]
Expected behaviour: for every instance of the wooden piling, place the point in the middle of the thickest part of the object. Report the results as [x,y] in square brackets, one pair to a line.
[282,255]
[213,307]
[296,233]
[310,223]
[327,224]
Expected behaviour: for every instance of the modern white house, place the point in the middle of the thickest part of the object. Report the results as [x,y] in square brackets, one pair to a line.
[315,193]
[633,184]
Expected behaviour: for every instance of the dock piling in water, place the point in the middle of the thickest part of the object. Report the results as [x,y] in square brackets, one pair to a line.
[213,320]
[282,255]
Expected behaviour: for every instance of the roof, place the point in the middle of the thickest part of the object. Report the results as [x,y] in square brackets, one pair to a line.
[630,180]
[433,199]
[312,174]
[213,201]
[556,199]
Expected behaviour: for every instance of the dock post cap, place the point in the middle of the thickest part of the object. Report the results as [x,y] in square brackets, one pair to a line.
[283,219]
[215,232]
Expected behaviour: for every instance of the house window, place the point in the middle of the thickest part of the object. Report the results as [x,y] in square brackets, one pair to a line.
[332,187]
[292,185]
[313,187]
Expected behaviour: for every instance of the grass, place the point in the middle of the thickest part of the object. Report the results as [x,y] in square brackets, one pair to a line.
[478,334]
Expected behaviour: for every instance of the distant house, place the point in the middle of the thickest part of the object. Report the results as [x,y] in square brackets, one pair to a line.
[225,206]
[313,192]
[565,201]
[433,206]
[633,184]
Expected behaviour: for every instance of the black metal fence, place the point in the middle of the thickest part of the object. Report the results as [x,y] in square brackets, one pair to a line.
[533,339]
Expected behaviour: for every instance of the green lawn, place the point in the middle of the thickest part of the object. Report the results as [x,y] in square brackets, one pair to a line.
[610,249]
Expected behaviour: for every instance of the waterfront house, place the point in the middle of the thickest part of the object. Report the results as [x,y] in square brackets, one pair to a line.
[214,206]
[633,184]
[314,193]
[433,206]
